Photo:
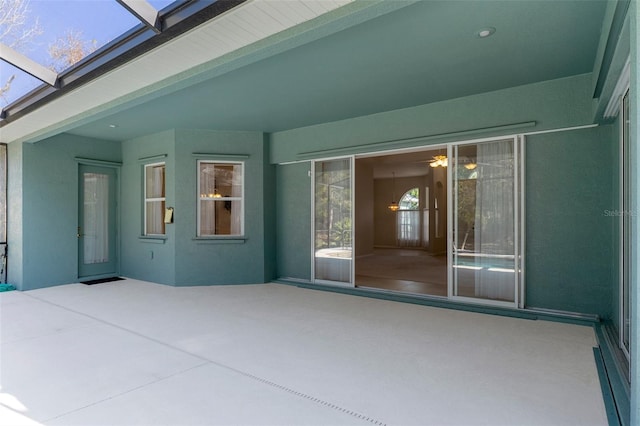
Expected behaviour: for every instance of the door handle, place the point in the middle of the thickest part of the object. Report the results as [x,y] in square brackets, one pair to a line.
[79,234]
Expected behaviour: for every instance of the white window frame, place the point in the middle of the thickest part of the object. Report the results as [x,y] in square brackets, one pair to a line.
[156,199]
[202,198]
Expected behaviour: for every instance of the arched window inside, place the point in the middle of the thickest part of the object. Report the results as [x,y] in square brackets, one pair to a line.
[408,219]
[410,200]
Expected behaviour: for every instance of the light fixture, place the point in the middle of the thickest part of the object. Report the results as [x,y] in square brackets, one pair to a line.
[470,166]
[485,32]
[394,205]
[113,126]
[214,194]
[439,161]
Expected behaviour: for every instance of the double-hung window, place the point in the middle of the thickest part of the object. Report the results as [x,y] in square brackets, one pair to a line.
[154,199]
[220,198]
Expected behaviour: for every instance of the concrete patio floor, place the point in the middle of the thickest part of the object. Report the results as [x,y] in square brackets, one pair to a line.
[136,353]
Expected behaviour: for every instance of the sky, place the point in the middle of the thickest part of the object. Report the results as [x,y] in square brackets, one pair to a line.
[99,20]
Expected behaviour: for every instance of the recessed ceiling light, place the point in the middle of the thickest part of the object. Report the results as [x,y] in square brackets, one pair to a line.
[485,32]
[113,126]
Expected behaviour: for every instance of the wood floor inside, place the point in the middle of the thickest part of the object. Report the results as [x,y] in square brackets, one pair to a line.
[403,270]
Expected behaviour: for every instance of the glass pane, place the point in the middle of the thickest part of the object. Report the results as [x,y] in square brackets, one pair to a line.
[57,34]
[155,181]
[408,228]
[207,217]
[220,217]
[207,181]
[3,193]
[96,218]
[220,180]
[228,178]
[155,218]
[484,228]
[15,83]
[235,216]
[410,200]
[161,4]
[333,248]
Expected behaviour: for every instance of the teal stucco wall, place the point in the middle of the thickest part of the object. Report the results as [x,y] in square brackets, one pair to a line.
[570,181]
[571,226]
[150,259]
[294,221]
[181,258]
[44,210]
[49,246]
[570,184]
[223,261]
[552,104]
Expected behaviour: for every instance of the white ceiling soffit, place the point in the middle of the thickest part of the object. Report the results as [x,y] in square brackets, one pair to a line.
[181,58]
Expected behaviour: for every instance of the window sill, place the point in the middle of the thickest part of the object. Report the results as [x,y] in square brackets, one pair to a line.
[221,239]
[153,239]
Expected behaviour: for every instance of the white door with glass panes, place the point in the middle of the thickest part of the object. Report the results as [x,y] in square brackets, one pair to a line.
[97,221]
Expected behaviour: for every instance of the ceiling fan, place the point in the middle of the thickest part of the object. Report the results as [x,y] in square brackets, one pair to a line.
[439,161]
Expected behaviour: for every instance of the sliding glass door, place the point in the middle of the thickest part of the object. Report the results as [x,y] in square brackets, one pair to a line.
[333,231]
[625,230]
[485,222]
[484,225]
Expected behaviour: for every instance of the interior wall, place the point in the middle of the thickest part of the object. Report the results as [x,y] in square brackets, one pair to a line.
[384,219]
[364,209]
[438,191]
[50,207]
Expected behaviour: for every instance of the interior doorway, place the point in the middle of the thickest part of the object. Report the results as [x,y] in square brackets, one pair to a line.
[441,221]
[402,249]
